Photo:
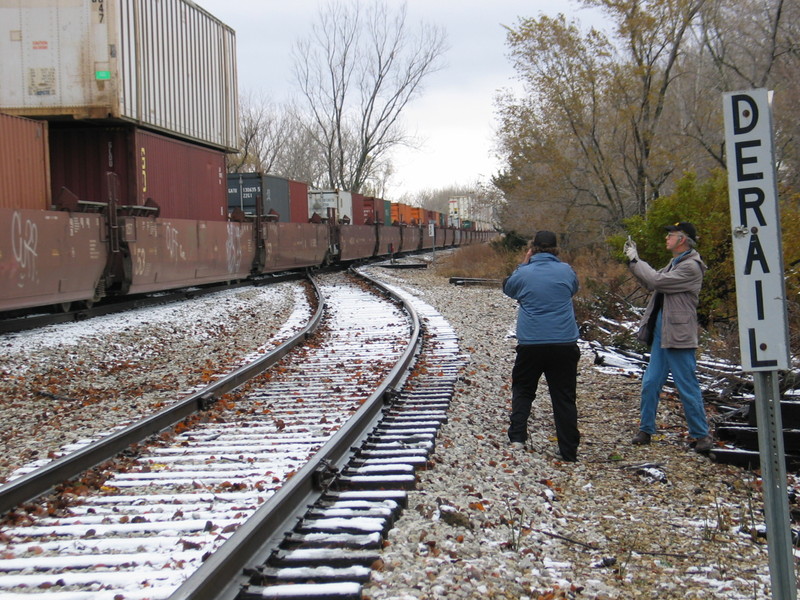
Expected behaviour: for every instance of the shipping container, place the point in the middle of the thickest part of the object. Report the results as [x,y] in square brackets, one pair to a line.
[405,214]
[25,164]
[245,188]
[359,218]
[298,202]
[381,210]
[166,65]
[186,181]
[368,211]
[322,202]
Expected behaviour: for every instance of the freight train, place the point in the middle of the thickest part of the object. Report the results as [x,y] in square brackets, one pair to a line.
[79,243]
[115,120]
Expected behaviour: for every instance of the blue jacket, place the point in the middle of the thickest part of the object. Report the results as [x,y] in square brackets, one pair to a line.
[544,288]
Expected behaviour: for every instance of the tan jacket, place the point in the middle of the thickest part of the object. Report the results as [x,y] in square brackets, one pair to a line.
[680,285]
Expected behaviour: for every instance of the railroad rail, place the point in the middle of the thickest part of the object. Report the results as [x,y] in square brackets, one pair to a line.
[324,476]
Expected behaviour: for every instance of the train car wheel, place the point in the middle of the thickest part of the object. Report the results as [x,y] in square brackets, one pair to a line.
[65,306]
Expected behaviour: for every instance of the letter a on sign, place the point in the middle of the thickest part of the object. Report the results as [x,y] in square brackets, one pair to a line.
[755,219]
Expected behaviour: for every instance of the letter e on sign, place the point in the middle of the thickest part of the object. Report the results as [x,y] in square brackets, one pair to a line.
[756,230]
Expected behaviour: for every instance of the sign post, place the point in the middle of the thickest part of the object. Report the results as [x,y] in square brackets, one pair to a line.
[761,305]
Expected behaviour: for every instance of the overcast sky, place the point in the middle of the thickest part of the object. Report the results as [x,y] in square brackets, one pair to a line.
[455,116]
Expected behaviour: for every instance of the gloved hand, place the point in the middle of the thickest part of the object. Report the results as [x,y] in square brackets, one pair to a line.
[630,250]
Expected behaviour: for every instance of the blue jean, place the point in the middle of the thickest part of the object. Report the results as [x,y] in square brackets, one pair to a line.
[682,364]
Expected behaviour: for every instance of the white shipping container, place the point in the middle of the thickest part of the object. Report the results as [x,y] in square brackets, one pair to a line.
[167,65]
[319,201]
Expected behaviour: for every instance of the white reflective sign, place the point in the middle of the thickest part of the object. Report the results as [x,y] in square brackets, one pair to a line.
[755,219]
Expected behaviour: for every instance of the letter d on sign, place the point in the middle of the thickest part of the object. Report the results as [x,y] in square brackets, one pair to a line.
[745,113]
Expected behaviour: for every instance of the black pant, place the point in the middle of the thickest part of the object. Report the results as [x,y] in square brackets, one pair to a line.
[559,364]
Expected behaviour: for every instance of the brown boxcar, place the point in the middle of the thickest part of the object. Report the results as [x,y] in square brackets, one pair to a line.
[173,253]
[441,235]
[357,241]
[185,180]
[25,167]
[411,239]
[293,245]
[427,233]
[449,236]
[49,257]
[389,240]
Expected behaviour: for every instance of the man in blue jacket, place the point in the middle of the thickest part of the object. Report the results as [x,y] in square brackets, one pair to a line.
[547,337]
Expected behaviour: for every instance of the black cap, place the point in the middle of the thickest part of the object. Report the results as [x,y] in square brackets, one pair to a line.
[684,227]
[545,239]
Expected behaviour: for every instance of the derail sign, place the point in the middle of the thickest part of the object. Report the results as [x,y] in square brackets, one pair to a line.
[755,218]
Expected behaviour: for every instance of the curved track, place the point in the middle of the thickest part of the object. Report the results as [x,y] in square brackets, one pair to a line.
[207,495]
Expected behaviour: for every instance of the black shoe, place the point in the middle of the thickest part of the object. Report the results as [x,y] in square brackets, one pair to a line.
[704,445]
[641,439]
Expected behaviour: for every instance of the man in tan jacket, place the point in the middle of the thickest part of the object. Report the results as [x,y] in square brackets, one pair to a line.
[669,326]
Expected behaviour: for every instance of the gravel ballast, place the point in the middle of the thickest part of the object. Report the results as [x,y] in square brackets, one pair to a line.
[485,521]
[658,521]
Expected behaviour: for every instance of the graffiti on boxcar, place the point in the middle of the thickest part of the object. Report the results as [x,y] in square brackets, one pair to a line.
[139,261]
[174,247]
[234,247]
[24,241]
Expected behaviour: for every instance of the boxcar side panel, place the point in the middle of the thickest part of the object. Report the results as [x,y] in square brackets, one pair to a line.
[357,241]
[49,257]
[170,253]
[294,245]
[389,240]
[411,239]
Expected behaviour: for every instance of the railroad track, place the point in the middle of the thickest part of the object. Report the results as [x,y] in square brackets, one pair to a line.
[216,496]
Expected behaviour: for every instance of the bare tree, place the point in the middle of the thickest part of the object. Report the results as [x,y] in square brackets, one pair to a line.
[357,71]
[264,131]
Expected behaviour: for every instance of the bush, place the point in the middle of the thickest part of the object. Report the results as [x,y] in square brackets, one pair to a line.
[706,205]
[485,261]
